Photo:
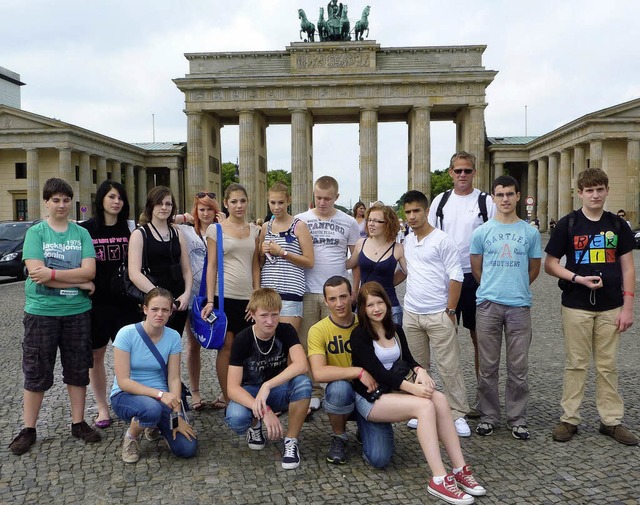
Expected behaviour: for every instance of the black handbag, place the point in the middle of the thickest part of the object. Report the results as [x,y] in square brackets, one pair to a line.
[121,284]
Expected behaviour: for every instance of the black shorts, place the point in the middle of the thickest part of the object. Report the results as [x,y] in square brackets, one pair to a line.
[106,321]
[43,335]
[235,312]
[467,303]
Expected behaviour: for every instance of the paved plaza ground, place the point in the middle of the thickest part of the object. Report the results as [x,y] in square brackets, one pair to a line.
[591,469]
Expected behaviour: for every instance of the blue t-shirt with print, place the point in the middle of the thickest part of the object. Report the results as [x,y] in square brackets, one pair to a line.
[506,250]
[144,367]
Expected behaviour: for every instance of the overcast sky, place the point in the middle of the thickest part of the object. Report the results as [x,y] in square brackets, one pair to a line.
[108,66]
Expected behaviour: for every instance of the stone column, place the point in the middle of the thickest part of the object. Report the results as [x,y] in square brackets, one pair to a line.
[420,174]
[101,172]
[130,188]
[247,160]
[368,155]
[498,170]
[633,173]
[542,194]
[565,202]
[86,183]
[477,140]
[300,156]
[196,176]
[116,171]
[552,206]
[532,176]
[174,186]
[579,164]
[595,154]
[65,168]
[34,196]
[142,188]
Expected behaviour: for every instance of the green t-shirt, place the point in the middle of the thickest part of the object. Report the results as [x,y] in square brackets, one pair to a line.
[60,251]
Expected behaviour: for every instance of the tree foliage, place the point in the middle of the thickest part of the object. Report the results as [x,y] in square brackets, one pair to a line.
[229,176]
[274,176]
[440,182]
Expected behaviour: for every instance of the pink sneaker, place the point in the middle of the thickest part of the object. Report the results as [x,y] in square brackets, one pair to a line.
[468,482]
[449,492]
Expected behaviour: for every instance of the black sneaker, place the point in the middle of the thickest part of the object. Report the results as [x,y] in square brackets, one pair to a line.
[520,432]
[84,432]
[255,438]
[291,457]
[484,429]
[337,451]
[25,439]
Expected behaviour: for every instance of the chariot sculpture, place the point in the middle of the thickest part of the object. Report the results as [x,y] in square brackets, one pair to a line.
[336,27]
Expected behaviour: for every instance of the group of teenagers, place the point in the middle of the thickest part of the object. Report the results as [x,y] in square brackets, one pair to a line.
[294,342]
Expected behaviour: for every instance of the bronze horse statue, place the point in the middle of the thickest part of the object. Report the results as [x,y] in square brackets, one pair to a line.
[346,26]
[323,32]
[362,24]
[306,26]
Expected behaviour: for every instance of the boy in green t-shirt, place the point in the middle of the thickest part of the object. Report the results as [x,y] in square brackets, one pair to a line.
[61,261]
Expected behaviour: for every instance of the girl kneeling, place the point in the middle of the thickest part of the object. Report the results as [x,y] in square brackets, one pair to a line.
[143,392]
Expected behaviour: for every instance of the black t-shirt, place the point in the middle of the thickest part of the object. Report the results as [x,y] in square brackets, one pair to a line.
[111,244]
[594,248]
[265,361]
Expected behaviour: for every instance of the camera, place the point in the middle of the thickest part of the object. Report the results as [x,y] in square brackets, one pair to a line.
[211,317]
[375,395]
[599,274]
[174,420]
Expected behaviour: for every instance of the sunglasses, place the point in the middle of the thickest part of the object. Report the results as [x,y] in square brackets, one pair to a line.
[203,194]
[467,171]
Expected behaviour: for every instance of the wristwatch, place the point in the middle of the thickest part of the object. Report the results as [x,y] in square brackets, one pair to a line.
[284,253]
[451,312]
[159,395]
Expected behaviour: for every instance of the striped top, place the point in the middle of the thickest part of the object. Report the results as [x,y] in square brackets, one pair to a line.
[282,275]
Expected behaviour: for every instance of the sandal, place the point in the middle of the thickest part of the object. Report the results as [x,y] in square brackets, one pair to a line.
[199,405]
[219,403]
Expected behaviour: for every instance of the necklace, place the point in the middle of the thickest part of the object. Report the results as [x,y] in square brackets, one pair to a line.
[238,226]
[380,249]
[273,339]
[163,236]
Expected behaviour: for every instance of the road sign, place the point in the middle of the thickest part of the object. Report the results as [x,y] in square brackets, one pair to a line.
[529,200]
[83,209]
[529,208]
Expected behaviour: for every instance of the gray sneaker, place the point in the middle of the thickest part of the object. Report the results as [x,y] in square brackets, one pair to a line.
[337,451]
[152,434]
[130,449]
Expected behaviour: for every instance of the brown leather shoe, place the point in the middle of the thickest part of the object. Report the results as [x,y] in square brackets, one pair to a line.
[563,432]
[619,433]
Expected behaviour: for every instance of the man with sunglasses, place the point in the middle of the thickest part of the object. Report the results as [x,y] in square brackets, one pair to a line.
[465,209]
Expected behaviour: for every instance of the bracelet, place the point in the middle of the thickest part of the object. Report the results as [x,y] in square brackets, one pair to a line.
[208,303]
[628,293]
[53,274]
[573,279]
[361,374]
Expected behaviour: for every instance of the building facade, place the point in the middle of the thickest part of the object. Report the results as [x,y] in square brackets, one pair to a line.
[547,166]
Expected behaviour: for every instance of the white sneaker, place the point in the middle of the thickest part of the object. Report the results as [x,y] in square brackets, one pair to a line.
[315,404]
[130,449]
[412,423]
[462,427]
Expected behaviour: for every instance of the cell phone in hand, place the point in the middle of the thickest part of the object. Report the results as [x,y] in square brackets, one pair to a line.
[211,317]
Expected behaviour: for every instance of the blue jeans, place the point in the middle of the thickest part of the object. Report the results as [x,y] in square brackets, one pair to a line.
[377,438]
[239,418]
[151,413]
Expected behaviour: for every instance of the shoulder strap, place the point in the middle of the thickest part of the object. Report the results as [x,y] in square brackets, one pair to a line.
[616,221]
[203,280]
[439,213]
[482,205]
[145,263]
[152,347]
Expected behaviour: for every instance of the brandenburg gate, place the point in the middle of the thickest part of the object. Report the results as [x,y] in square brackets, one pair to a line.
[330,82]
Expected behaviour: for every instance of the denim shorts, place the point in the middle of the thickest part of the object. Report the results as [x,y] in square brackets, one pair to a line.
[291,308]
[363,406]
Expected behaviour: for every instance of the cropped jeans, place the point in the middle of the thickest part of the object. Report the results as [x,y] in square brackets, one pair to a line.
[377,438]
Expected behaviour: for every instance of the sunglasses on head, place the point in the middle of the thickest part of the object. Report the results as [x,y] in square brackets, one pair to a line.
[465,170]
[202,194]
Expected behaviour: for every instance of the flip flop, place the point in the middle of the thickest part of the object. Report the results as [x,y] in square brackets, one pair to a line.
[219,403]
[104,423]
[198,405]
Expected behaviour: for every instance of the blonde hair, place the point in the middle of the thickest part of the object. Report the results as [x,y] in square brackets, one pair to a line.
[327,182]
[266,299]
